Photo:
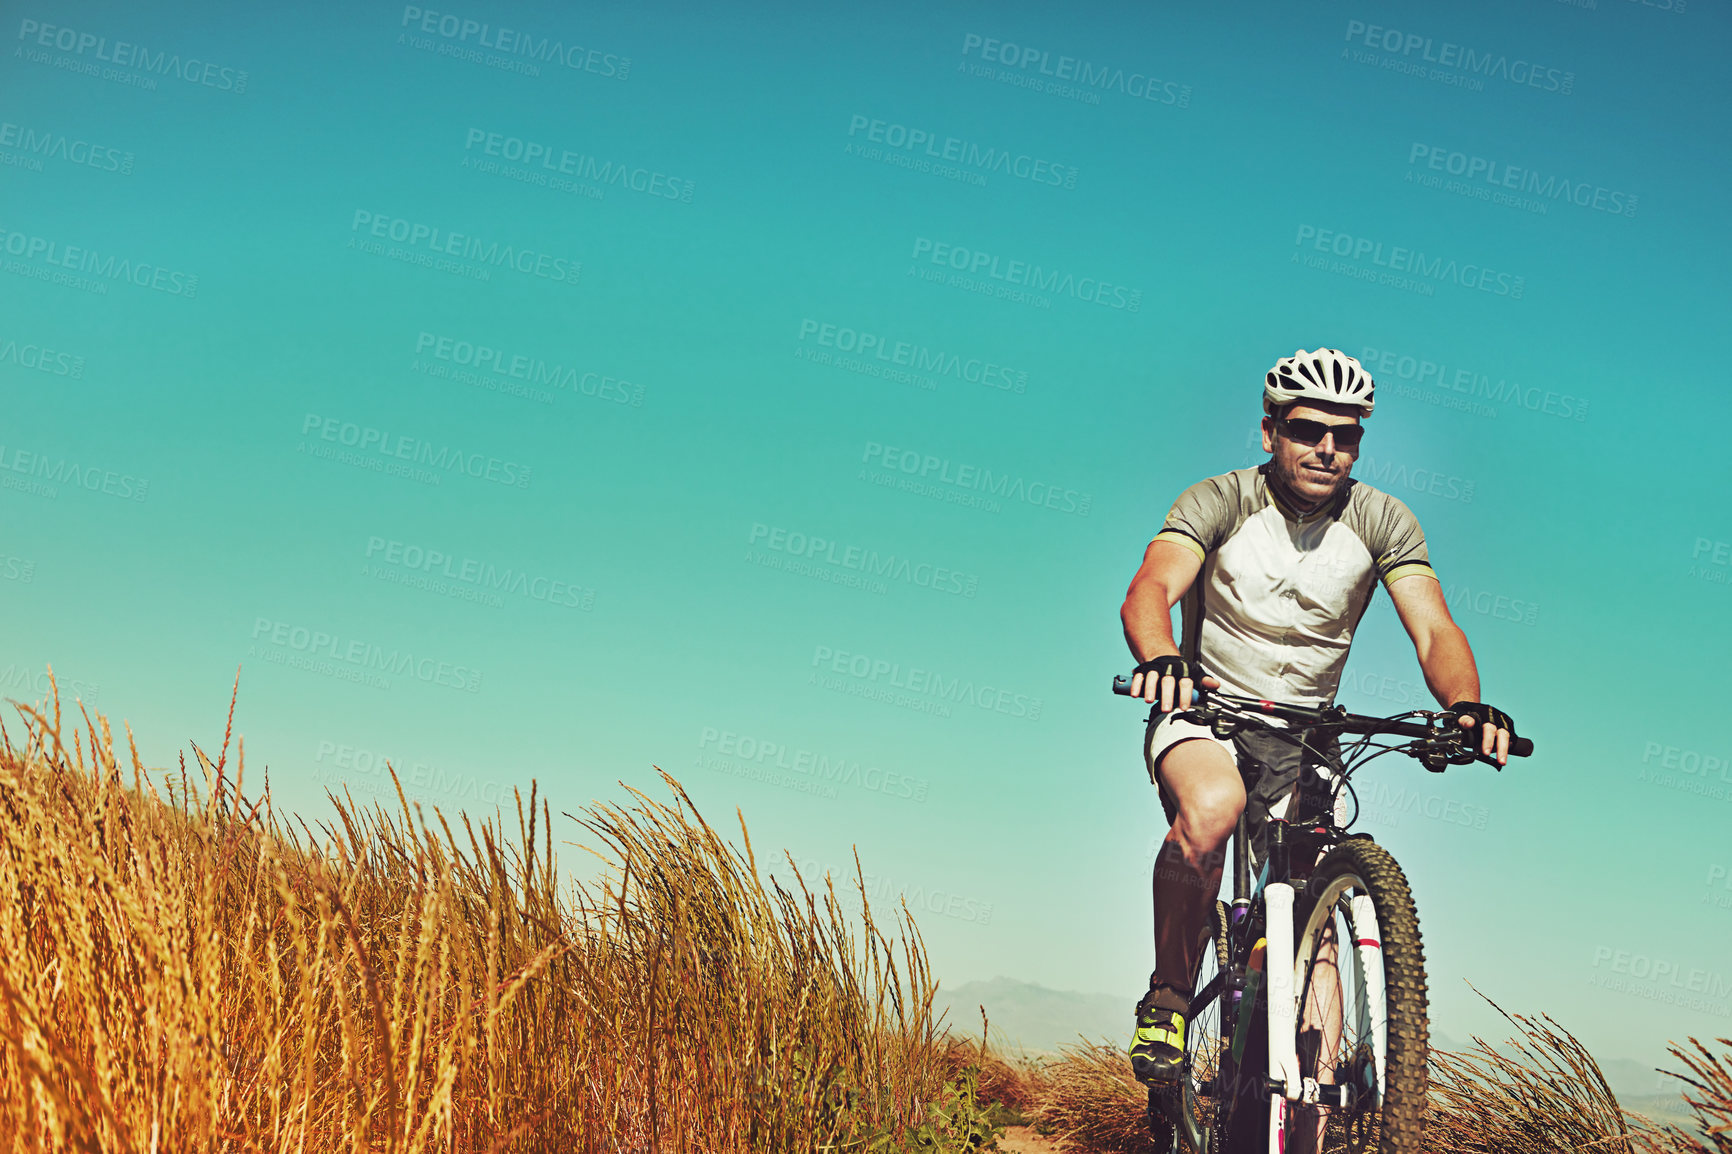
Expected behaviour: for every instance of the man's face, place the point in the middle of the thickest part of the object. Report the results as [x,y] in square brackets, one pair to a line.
[1317,471]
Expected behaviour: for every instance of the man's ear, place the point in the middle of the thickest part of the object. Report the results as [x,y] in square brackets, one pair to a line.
[1268,434]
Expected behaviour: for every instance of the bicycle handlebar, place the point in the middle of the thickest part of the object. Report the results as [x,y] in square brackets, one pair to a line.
[1334,717]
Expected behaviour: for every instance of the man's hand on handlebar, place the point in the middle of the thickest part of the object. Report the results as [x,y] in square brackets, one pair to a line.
[1171,680]
[1496,730]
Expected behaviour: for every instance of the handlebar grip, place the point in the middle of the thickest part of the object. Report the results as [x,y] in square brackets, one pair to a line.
[1521,747]
[1122,687]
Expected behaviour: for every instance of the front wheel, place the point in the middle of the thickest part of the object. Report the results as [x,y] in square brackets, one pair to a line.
[1359,977]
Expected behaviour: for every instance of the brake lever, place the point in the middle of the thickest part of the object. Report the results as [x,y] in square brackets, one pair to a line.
[1449,749]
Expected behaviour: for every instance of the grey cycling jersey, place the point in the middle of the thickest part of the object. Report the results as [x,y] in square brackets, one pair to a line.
[1272,612]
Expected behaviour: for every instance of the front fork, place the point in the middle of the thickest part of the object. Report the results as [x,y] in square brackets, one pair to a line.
[1286,1081]
[1282,1010]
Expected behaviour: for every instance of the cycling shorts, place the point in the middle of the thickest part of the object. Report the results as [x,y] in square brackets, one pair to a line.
[1271,764]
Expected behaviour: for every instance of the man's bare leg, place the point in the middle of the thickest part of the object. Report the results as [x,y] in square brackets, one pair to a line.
[1203,779]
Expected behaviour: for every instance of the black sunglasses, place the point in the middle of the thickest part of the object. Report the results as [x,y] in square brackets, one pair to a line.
[1306,432]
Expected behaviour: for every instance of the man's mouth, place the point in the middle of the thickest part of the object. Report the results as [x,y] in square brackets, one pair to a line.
[1317,474]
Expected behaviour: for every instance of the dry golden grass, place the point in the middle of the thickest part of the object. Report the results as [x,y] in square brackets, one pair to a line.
[188,974]
[1088,1100]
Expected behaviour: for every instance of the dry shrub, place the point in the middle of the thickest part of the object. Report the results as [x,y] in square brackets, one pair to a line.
[1545,1093]
[1014,1082]
[188,973]
[1090,1101]
[1709,1095]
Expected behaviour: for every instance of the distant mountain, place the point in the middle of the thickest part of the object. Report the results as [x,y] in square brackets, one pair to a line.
[1033,1017]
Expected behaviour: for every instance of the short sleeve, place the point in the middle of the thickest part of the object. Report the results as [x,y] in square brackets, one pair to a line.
[1202,516]
[1399,543]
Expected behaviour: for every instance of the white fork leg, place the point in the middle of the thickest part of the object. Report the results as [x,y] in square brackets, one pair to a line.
[1278,971]
[1373,1009]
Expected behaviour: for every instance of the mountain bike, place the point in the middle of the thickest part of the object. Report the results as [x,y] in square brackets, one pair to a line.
[1310,1002]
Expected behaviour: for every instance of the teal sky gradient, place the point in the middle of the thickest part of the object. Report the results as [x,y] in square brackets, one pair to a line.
[1030,839]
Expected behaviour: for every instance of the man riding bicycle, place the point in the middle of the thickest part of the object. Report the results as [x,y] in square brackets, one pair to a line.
[1274,565]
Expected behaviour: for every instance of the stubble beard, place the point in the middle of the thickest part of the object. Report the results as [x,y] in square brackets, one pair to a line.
[1290,477]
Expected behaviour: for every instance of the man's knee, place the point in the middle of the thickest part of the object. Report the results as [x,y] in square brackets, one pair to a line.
[1204,827]
[1210,796]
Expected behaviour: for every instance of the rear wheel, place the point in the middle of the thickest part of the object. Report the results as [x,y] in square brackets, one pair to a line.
[1360,980]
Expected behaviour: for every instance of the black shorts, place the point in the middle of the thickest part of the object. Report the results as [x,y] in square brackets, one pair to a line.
[1270,763]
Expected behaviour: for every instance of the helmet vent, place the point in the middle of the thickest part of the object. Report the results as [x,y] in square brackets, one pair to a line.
[1322,375]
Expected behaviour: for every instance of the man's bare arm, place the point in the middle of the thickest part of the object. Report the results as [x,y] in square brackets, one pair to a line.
[1165,575]
[1444,654]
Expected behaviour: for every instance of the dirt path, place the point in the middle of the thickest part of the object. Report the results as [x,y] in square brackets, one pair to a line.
[1023,1140]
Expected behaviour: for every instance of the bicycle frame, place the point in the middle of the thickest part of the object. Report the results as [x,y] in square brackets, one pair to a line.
[1436,741]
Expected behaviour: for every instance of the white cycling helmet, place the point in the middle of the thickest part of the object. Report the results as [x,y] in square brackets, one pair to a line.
[1324,375]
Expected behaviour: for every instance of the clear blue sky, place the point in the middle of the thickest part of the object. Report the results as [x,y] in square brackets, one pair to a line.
[785,397]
